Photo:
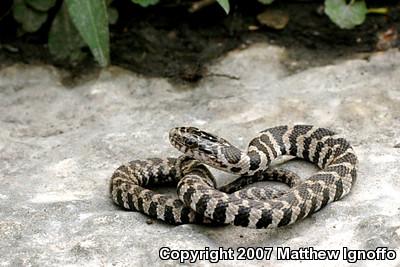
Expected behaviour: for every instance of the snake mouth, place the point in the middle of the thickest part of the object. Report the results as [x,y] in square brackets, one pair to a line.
[177,139]
[174,134]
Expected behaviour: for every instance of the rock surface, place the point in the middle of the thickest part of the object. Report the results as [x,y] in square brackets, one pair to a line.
[59,146]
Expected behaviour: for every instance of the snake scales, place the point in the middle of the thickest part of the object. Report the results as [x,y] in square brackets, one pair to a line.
[200,202]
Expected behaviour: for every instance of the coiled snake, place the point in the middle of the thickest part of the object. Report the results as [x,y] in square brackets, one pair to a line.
[200,202]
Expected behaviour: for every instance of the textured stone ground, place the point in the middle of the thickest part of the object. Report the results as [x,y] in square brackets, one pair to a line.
[59,146]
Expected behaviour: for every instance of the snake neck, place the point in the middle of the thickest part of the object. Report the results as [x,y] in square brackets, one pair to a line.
[233,160]
[186,165]
[259,155]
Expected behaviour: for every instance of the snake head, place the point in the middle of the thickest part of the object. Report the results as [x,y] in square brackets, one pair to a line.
[196,143]
[193,141]
[187,139]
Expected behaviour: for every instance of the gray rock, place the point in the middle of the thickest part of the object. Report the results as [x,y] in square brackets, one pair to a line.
[59,147]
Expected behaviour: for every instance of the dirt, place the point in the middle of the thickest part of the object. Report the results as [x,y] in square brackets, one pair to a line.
[168,41]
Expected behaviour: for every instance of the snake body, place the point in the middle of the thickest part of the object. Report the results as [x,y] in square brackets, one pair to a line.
[200,202]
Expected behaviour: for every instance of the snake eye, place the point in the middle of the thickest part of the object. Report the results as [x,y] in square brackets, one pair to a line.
[190,142]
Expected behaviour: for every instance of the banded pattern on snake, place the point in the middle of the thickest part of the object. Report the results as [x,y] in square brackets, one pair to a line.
[199,200]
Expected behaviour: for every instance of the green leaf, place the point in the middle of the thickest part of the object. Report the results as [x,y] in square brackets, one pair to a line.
[112,12]
[91,20]
[30,19]
[112,15]
[266,2]
[346,16]
[64,39]
[145,3]
[224,4]
[41,5]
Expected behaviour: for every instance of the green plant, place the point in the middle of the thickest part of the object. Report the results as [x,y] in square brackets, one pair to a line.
[345,14]
[145,3]
[76,24]
[80,23]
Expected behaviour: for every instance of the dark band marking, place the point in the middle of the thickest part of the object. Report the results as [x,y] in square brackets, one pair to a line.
[326,157]
[297,131]
[187,196]
[201,204]
[242,218]
[130,202]
[320,133]
[185,211]
[278,133]
[255,160]
[339,190]
[265,139]
[232,154]
[287,215]
[119,198]
[153,209]
[169,215]
[219,214]
[265,220]
[256,143]
[140,204]
[325,199]
[236,169]
[306,148]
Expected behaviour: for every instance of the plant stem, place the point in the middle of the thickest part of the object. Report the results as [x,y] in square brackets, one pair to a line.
[380,10]
[200,4]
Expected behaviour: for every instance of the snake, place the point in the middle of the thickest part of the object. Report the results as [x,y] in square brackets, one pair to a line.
[199,200]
